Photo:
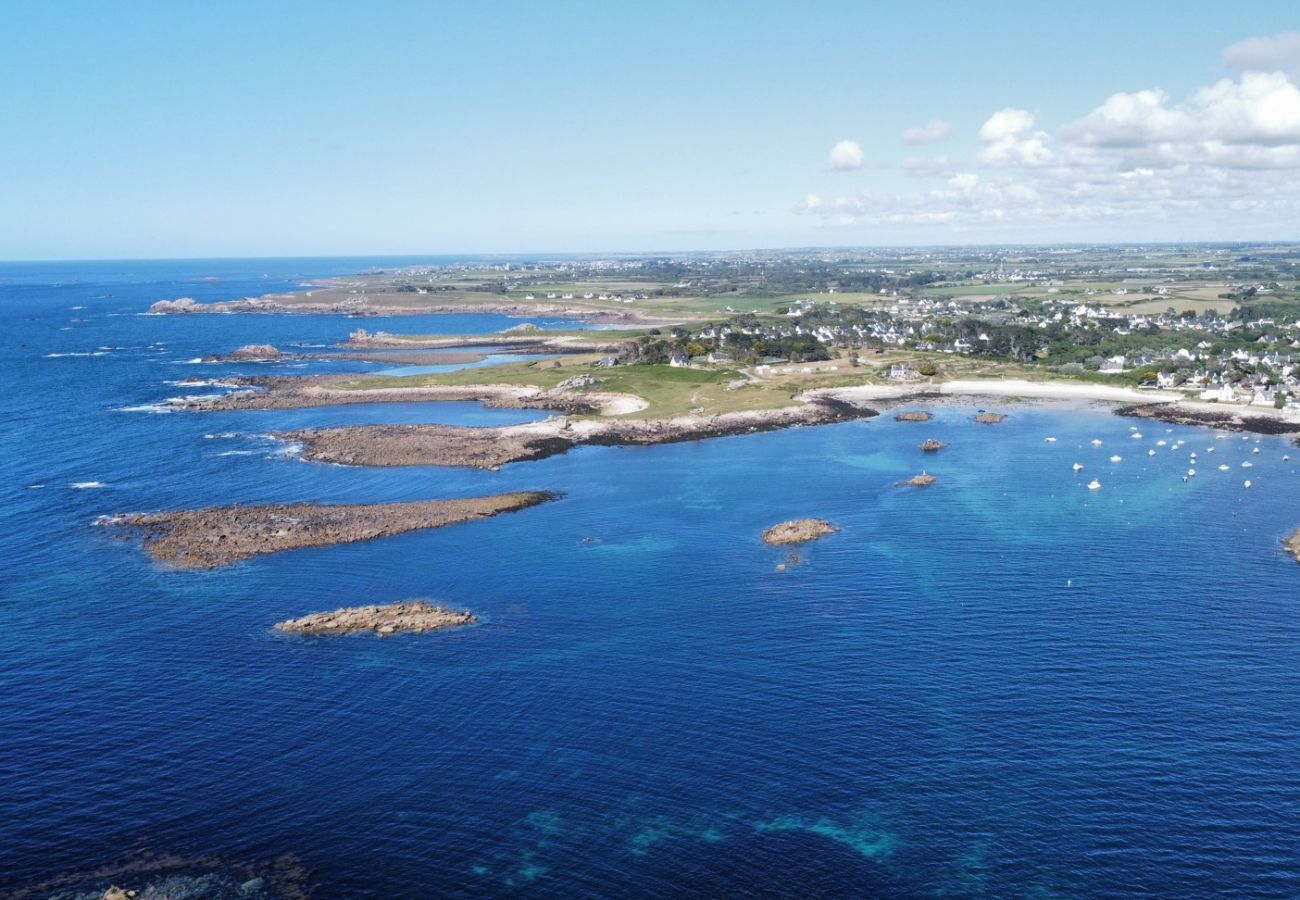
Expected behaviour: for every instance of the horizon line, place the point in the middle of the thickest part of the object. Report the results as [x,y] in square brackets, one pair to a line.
[609,254]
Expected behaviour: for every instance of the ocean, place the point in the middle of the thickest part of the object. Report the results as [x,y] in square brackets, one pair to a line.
[1002,685]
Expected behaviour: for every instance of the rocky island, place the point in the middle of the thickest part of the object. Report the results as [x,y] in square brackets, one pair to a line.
[914,416]
[217,536]
[798,531]
[990,418]
[930,445]
[415,616]
[923,480]
[1292,544]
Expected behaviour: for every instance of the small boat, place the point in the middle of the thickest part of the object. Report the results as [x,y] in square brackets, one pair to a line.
[1209,449]
[1096,442]
[1094,485]
[1136,434]
[1225,467]
[1247,482]
[1050,440]
[1256,450]
[1161,442]
[1077,467]
[1286,459]
[1151,453]
[1191,473]
[1116,458]
[1247,464]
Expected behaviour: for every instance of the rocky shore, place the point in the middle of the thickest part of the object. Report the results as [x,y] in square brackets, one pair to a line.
[331,301]
[415,616]
[488,448]
[797,531]
[298,392]
[1292,544]
[516,340]
[1228,420]
[270,353]
[217,536]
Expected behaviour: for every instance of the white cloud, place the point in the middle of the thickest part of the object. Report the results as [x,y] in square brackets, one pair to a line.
[1224,160]
[931,132]
[1266,54]
[1131,120]
[1261,108]
[845,156]
[1009,139]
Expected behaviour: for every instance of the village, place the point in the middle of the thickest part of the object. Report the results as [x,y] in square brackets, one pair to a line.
[1229,358]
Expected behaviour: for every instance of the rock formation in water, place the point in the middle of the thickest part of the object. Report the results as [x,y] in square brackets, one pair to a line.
[798,531]
[216,536]
[415,616]
[922,480]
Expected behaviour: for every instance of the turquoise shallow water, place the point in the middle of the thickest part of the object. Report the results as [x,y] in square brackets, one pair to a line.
[1002,685]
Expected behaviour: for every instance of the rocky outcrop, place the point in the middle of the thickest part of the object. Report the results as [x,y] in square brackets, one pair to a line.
[415,616]
[254,352]
[798,531]
[922,480]
[296,392]
[169,307]
[914,416]
[1180,414]
[930,445]
[990,418]
[487,448]
[1292,544]
[423,445]
[217,536]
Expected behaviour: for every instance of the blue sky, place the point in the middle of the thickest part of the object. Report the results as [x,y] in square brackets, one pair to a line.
[183,129]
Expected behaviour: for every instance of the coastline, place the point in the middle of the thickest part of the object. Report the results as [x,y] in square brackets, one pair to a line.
[330,299]
[492,447]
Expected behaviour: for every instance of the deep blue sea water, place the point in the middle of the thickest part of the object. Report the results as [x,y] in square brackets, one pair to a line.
[1003,685]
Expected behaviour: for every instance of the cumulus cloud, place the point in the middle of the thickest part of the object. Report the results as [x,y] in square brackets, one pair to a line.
[1266,54]
[1261,108]
[1131,120]
[1226,156]
[1009,139]
[931,132]
[845,156]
